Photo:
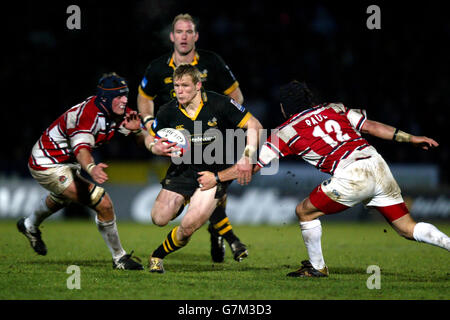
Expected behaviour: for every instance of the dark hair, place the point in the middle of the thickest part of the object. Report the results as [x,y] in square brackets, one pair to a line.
[295,97]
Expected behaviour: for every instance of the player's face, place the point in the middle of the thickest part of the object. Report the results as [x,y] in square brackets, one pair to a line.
[118,104]
[185,89]
[184,36]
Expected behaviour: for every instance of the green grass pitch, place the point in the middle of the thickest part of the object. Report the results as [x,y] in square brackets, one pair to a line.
[409,270]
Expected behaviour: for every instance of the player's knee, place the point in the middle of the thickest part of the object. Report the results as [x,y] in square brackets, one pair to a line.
[301,211]
[105,209]
[159,219]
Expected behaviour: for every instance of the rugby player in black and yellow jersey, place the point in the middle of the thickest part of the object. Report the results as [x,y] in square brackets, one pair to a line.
[196,111]
[156,89]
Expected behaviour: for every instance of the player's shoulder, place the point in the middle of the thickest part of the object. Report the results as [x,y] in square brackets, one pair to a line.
[215,99]
[88,107]
[160,62]
[209,56]
[337,107]
[167,108]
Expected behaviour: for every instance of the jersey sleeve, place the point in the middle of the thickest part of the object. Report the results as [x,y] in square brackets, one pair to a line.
[236,114]
[357,117]
[160,122]
[81,126]
[273,148]
[147,85]
[226,80]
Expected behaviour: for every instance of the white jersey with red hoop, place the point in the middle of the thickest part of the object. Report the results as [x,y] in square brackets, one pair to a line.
[82,126]
[324,136]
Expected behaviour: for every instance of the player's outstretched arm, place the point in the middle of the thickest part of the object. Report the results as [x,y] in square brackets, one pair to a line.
[388,132]
[244,166]
[86,160]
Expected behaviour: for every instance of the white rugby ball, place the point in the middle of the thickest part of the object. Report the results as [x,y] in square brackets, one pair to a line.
[174,135]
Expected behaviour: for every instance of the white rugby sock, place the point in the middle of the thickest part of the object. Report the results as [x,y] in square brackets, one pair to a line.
[40,213]
[426,232]
[312,235]
[109,232]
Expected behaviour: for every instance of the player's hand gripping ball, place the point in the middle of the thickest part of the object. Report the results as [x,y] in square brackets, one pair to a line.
[174,135]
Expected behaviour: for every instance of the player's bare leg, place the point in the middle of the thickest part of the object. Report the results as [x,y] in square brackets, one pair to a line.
[312,234]
[166,207]
[87,193]
[421,232]
[202,204]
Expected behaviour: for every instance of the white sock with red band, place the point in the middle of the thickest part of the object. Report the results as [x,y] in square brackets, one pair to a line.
[425,232]
[312,235]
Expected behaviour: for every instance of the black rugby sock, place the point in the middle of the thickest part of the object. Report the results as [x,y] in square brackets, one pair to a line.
[221,224]
[169,245]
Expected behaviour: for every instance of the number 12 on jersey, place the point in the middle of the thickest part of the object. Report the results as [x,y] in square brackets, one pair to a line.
[330,126]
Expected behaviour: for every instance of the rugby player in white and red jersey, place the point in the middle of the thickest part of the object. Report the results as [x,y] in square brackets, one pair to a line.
[66,147]
[328,136]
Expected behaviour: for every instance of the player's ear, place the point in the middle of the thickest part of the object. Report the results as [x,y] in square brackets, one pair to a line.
[196,36]
[172,38]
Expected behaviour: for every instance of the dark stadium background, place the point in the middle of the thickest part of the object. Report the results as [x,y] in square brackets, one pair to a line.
[400,73]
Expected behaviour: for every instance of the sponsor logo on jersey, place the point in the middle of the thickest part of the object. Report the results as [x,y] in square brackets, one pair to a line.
[180,127]
[168,80]
[212,122]
[237,105]
[144,82]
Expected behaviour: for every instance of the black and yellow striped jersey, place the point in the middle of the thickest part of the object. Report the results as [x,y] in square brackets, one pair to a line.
[215,114]
[157,83]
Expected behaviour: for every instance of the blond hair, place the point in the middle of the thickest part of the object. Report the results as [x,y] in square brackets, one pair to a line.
[186,17]
[187,69]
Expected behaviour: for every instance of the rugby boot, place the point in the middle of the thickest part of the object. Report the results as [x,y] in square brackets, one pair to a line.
[217,245]
[239,250]
[127,263]
[33,237]
[156,265]
[307,270]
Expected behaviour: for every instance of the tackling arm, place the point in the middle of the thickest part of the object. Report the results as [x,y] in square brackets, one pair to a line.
[86,160]
[388,132]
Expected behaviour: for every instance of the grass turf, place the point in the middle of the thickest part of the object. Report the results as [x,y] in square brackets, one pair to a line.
[409,270]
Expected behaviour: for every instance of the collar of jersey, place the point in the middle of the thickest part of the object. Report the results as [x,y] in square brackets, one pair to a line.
[194,117]
[172,63]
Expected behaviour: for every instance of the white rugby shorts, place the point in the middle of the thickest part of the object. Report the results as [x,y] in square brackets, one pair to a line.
[366,180]
[56,179]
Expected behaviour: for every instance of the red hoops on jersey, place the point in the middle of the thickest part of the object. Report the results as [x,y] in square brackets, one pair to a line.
[323,136]
[82,126]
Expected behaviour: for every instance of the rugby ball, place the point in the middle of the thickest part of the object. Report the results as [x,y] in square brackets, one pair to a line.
[174,135]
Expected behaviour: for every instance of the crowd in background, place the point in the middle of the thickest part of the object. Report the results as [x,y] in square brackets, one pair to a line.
[399,74]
